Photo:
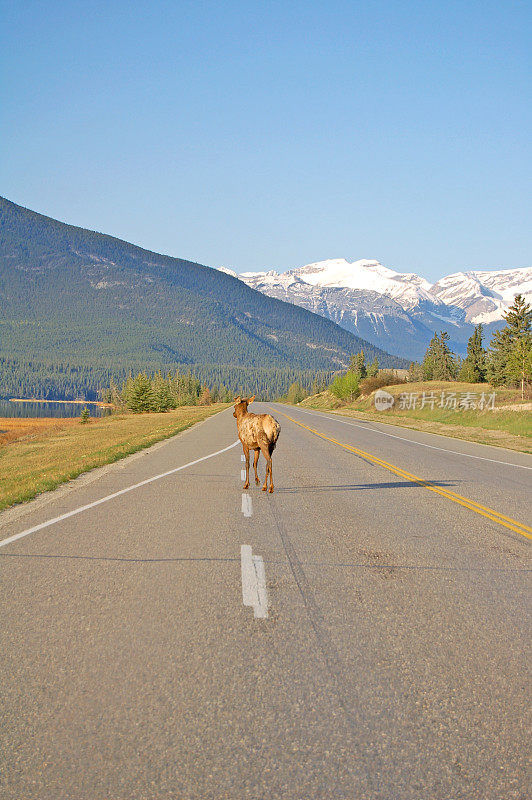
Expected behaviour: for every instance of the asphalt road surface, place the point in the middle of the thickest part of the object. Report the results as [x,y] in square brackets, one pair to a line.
[361,633]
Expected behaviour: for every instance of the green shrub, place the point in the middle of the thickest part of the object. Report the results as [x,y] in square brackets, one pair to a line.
[346,387]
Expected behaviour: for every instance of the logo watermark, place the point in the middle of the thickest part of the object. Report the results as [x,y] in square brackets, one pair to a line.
[383,400]
[449,401]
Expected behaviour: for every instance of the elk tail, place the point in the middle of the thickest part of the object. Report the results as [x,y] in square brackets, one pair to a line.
[271,445]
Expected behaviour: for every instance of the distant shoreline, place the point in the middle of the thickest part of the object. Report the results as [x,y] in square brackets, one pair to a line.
[73,402]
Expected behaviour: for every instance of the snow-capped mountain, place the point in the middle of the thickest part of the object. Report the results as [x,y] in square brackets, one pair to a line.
[397,311]
[484,295]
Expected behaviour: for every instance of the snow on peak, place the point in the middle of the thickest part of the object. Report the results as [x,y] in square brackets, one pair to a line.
[408,289]
[482,295]
[340,272]
[507,282]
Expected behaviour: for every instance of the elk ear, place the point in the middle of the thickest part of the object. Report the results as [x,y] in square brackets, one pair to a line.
[237,400]
[251,399]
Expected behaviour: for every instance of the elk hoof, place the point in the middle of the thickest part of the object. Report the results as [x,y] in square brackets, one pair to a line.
[257,481]
[271,489]
[264,488]
[246,485]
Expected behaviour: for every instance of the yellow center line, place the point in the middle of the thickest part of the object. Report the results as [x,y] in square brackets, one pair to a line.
[484,511]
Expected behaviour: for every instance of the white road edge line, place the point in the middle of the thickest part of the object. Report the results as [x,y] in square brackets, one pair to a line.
[242,457]
[111,497]
[247,505]
[242,474]
[253,582]
[413,441]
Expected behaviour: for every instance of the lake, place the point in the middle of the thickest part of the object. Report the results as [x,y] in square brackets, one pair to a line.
[29,409]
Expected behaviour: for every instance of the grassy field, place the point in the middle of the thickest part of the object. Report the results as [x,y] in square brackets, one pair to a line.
[508,425]
[38,454]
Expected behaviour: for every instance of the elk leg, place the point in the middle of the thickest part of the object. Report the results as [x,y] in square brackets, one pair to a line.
[271,474]
[255,462]
[246,453]
[266,453]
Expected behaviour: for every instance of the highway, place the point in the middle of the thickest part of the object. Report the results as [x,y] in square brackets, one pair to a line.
[362,633]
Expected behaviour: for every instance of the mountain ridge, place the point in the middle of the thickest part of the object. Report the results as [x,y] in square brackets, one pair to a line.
[94,300]
[393,309]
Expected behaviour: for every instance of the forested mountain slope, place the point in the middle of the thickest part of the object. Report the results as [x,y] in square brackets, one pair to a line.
[91,302]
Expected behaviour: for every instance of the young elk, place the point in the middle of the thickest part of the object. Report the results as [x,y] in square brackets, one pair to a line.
[258,432]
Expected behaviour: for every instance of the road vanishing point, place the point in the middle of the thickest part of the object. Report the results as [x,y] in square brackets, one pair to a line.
[362,633]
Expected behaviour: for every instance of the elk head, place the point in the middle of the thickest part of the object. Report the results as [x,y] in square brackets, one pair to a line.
[241,404]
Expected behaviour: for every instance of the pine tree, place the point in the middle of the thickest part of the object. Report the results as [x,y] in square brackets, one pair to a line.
[445,369]
[510,352]
[141,395]
[498,355]
[439,362]
[415,372]
[428,365]
[519,368]
[163,396]
[473,369]
[373,368]
[519,317]
[358,365]
[85,416]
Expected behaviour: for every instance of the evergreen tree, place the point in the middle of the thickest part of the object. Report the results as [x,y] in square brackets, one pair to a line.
[445,369]
[415,372]
[498,355]
[225,394]
[141,395]
[163,396]
[510,354]
[520,362]
[473,368]
[358,365]
[373,368]
[439,363]
[85,416]
[430,360]
[519,317]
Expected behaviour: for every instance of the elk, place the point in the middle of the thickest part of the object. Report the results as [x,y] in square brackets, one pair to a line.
[258,432]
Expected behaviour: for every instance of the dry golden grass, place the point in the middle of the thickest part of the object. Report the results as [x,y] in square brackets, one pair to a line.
[38,454]
[13,429]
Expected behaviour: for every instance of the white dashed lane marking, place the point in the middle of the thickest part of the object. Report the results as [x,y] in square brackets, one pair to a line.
[247,505]
[254,592]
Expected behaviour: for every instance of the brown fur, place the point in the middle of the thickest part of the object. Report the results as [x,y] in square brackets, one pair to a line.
[258,432]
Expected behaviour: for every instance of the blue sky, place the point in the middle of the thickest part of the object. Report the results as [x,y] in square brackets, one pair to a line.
[264,134]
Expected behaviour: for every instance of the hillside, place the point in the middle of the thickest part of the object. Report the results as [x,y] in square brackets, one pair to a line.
[85,305]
